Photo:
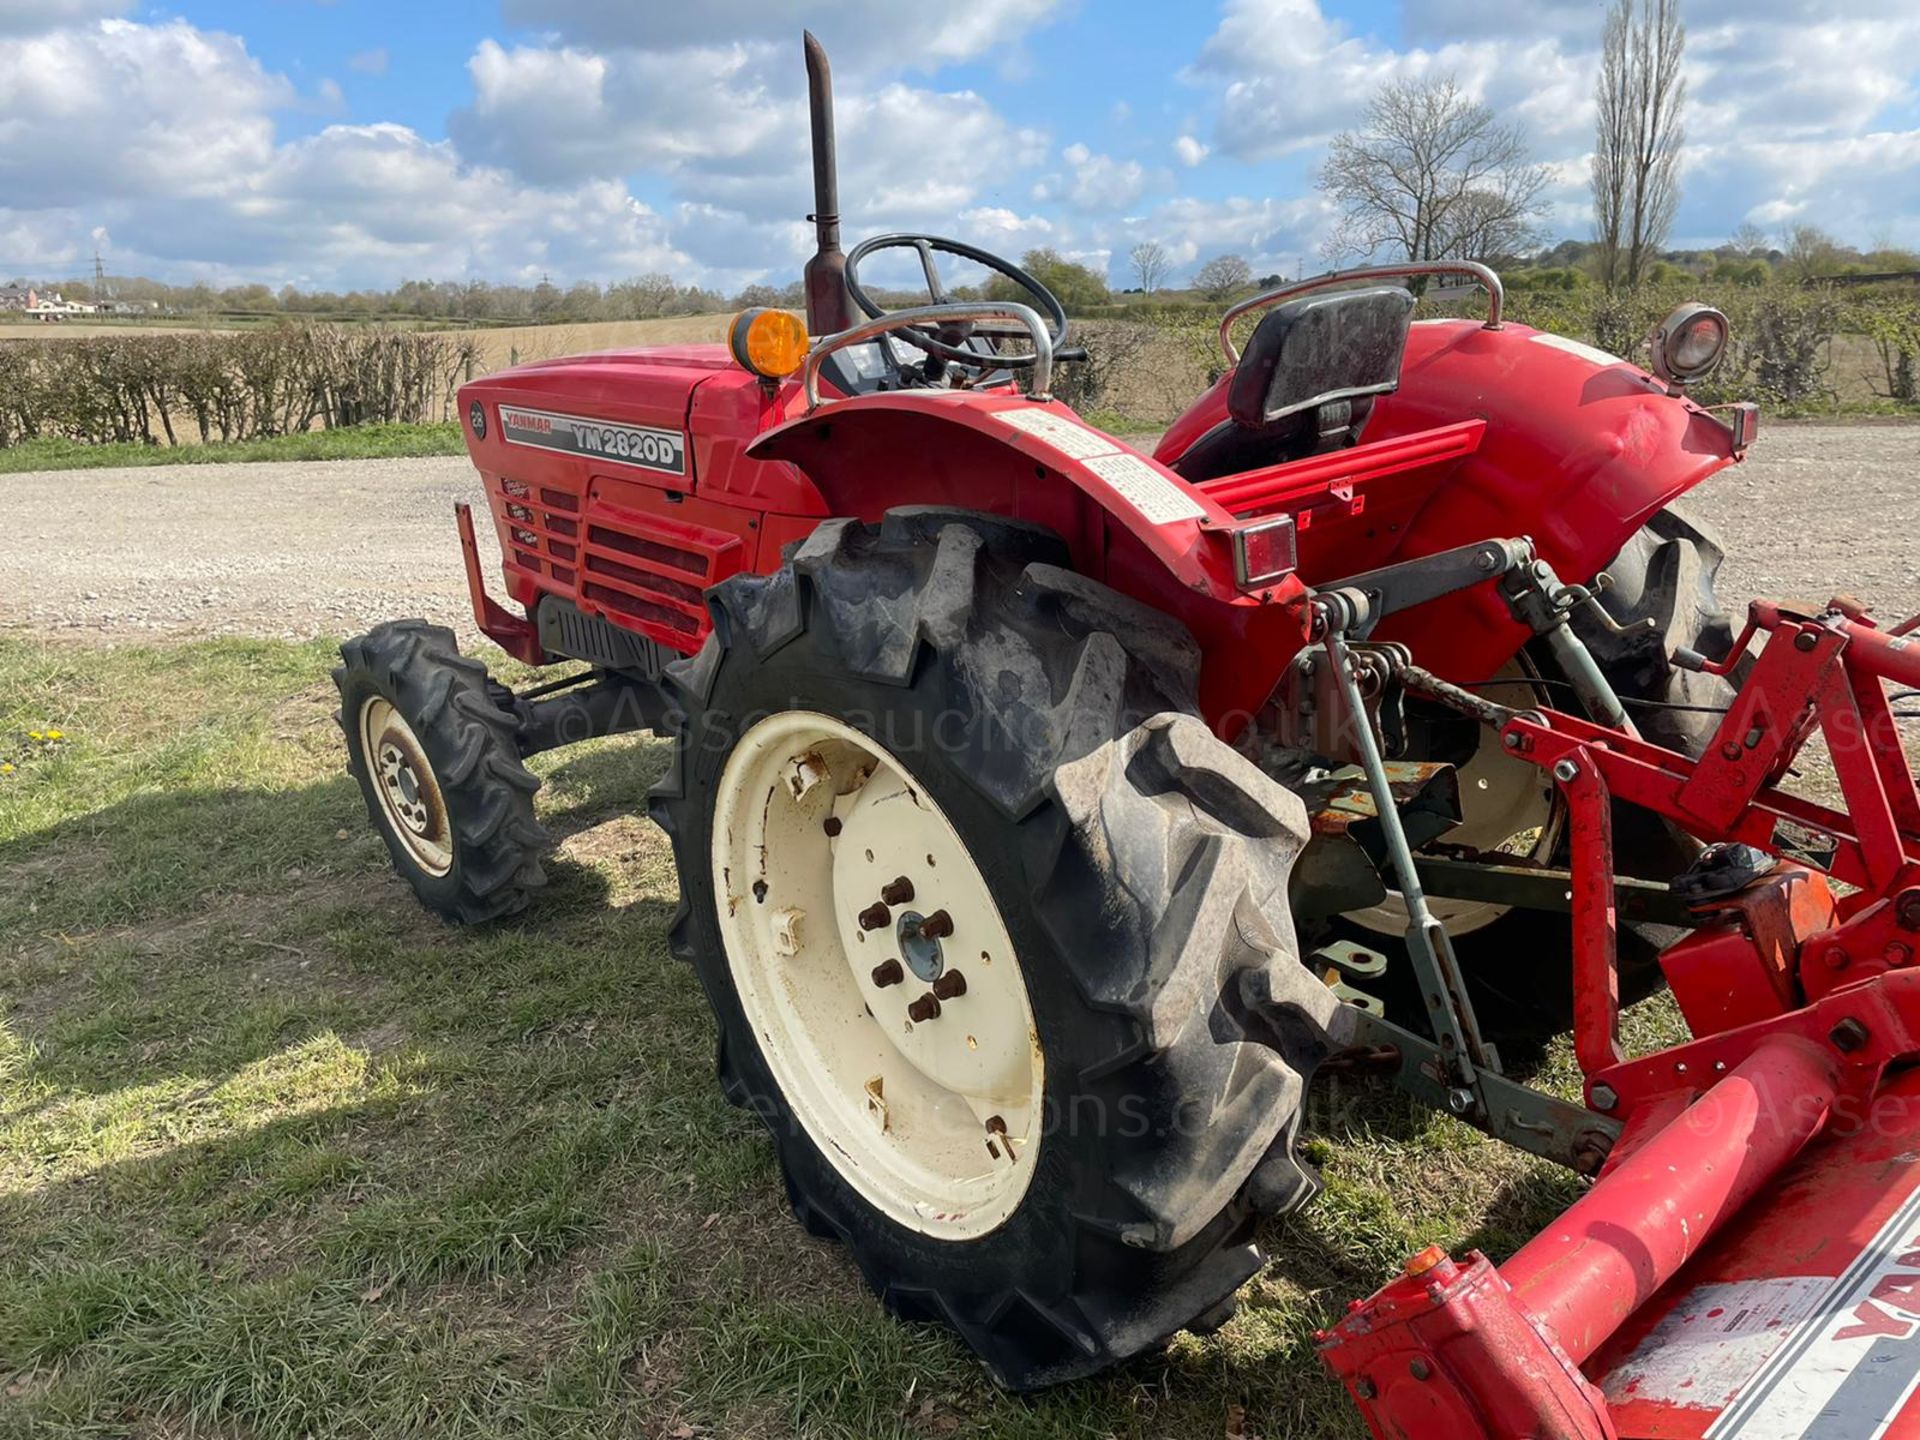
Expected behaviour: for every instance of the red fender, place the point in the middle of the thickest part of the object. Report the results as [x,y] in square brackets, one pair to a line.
[1127,520]
[1580,449]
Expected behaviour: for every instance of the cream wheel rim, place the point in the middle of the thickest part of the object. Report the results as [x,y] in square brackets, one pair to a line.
[877,975]
[1507,808]
[403,778]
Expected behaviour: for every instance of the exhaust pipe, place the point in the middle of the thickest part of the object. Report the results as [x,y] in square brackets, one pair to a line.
[829,307]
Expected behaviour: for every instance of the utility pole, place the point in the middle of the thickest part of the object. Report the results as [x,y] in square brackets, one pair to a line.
[99,278]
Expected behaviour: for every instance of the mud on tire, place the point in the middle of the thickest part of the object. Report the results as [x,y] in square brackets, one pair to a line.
[467,742]
[1140,867]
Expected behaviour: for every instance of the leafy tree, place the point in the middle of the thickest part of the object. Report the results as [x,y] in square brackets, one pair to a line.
[1079,287]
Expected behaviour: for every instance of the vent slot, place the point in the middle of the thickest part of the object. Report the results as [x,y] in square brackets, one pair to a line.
[559,500]
[641,609]
[692,562]
[644,579]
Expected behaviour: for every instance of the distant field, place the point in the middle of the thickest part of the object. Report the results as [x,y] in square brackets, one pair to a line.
[80,330]
[519,343]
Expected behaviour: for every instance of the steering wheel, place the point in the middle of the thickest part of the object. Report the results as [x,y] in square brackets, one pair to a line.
[948,341]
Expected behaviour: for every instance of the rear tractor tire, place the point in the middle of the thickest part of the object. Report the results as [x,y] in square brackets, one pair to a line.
[978,905]
[442,777]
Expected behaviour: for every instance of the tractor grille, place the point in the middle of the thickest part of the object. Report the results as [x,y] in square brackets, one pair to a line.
[542,528]
[646,572]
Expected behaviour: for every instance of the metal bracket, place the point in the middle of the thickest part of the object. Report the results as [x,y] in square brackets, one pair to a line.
[1541,601]
[1559,1130]
[1358,603]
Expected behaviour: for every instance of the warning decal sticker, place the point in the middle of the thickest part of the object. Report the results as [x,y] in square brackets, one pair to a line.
[1161,500]
[638,445]
[1064,435]
[1146,489]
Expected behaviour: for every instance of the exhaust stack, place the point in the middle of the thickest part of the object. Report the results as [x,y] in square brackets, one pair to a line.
[829,308]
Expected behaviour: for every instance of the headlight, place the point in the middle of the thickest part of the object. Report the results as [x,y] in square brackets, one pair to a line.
[1689,343]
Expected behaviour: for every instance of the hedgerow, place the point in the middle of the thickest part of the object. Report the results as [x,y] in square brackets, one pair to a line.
[248,385]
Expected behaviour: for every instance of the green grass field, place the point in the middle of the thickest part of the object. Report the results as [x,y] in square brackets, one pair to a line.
[358,442]
[281,1156]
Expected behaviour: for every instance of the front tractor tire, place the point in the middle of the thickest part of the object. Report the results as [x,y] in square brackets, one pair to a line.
[977,904]
[436,761]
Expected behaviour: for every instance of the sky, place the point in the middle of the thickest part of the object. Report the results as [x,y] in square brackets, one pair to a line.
[331,144]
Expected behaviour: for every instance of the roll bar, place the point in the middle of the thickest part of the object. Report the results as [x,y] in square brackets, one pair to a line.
[1496,293]
[936,315]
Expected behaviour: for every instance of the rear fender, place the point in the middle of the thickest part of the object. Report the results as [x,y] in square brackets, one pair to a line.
[1580,449]
[1128,522]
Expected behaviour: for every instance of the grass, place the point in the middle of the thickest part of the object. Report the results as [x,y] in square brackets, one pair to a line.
[281,1156]
[355,442]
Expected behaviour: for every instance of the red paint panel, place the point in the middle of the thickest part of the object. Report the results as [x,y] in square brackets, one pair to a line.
[1844,1196]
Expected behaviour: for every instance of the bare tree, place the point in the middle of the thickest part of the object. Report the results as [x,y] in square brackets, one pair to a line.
[1432,174]
[1808,252]
[1222,275]
[1640,95]
[1749,241]
[1151,263]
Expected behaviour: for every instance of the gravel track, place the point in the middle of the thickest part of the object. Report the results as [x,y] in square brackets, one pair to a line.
[332,547]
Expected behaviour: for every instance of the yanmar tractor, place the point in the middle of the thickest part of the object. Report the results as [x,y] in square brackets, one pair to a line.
[1048,812]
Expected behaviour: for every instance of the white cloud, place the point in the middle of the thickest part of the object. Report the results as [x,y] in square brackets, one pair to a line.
[1776,88]
[1096,183]
[854,31]
[120,110]
[727,127]
[167,134]
[36,17]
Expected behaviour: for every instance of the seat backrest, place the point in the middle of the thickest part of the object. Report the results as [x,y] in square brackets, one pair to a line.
[1318,350]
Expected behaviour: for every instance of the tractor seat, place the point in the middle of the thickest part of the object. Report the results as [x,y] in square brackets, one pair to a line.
[1307,381]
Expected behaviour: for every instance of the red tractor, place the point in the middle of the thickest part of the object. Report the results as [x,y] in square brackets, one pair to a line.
[1047,812]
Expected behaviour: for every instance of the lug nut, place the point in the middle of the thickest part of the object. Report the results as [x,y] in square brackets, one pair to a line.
[937,926]
[831,825]
[926,1008]
[888,973]
[875,917]
[950,986]
[1907,909]
[898,892]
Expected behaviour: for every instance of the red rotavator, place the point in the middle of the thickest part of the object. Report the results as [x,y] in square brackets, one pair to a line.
[1047,812]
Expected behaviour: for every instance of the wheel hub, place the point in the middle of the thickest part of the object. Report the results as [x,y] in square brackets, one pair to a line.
[877,974]
[404,783]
